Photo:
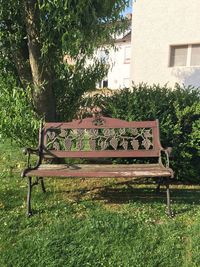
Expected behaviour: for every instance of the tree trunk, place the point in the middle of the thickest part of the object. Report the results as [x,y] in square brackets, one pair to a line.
[42,90]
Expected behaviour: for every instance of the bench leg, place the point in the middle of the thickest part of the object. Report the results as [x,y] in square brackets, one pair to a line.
[169,211]
[160,182]
[29,211]
[42,184]
[158,187]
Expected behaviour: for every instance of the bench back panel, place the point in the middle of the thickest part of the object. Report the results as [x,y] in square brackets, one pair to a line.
[100,138]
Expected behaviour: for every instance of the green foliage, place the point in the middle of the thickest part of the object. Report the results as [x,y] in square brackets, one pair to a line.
[78,81]
[75,28]
[75,22]
[35,37]
[95,222]
[18,120]
[65,27]
[178,111]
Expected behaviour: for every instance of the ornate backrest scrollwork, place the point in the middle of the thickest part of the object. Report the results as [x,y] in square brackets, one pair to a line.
[98,121]
[100,134]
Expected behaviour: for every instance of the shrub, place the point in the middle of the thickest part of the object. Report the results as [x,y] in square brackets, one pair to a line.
[178,111]
[18,121]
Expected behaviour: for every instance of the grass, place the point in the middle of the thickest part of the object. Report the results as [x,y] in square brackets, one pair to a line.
[95,222]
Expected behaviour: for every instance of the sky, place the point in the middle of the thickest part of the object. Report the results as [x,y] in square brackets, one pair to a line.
[129,9]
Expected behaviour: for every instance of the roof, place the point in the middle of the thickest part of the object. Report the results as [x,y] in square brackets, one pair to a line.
[125,38]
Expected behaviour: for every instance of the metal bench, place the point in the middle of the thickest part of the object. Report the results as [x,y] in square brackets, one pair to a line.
[97,137]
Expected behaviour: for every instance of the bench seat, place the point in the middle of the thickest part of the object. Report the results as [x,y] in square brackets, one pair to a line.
[101,170]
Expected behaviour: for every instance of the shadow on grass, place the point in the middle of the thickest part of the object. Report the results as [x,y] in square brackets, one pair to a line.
[187,197]
[147,195]
[183,199]
[125,192]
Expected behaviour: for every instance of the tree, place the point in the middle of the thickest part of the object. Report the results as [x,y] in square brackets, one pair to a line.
[35,36]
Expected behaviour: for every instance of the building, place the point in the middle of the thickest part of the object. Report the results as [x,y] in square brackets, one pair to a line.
[166,42]
[119,60]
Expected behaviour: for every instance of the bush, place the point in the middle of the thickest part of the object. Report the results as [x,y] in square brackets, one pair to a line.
[178,111]
[18,120]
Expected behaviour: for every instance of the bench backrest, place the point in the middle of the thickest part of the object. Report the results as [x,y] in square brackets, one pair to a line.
[100,137]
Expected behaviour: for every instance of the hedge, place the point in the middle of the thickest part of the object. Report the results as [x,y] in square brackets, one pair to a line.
[178,111]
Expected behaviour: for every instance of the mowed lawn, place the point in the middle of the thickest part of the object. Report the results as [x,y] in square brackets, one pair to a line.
[95,222]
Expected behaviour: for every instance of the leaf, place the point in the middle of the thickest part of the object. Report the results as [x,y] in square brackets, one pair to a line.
[147,133]
[104,145]
[124,144]
[114,143]
[134,131]
[122,131]
[106,132]
[68,143]
[135,144]
[147,144]
[51,135]
[63,133]
[80,144]
[56,145]
[92,143]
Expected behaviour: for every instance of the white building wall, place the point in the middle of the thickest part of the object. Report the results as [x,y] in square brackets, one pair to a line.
[156,25]
[119,72]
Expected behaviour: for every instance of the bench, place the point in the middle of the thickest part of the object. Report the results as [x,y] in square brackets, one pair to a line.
[98,138]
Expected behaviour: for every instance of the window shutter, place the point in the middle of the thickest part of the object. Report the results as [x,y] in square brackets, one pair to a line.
[195,56]
[127,55]
[178,55]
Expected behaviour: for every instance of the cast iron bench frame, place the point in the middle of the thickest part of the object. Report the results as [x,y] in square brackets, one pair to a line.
[107,138]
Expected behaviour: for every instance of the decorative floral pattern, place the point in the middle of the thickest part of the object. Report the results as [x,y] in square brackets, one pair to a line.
[99,139]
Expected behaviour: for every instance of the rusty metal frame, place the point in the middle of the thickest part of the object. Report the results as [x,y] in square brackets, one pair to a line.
[31,184]
[34,151]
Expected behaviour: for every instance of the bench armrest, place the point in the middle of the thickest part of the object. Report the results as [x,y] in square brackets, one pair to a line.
[168,152]
[28,150]
[31,151]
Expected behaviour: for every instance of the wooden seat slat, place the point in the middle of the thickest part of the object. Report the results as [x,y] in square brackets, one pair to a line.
[106,171]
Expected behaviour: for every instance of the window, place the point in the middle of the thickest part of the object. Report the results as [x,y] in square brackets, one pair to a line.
[185,55]
[126,82]
[103,55]
[179,55]
[103,84]
[195,55]
[127,55]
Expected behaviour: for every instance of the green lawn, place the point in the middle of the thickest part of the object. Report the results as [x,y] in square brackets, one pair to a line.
[95,222]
